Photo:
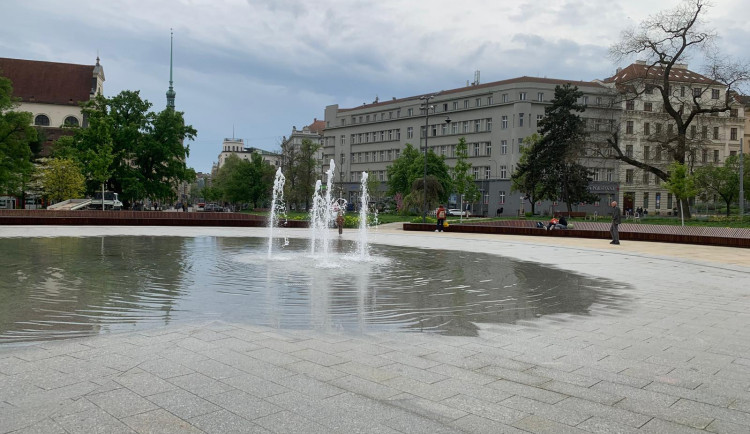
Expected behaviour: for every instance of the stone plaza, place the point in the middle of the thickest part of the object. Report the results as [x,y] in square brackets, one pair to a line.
[675,357]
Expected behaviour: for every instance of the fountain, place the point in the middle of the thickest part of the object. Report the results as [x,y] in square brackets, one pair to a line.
[278,208]
[322,215]
[364,201]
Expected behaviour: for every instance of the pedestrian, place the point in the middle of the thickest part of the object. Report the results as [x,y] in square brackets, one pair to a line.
[615,222]
[440,214]
[340,222]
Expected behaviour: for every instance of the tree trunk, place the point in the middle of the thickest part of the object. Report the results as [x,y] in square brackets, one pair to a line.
[685,207]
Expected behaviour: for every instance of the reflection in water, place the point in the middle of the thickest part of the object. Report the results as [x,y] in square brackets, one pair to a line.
[63,287]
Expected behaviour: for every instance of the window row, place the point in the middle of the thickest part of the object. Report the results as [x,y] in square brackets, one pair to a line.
[374,156]
[43,121]
[372,137]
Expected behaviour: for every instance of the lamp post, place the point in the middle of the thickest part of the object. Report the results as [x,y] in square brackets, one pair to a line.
[426,107]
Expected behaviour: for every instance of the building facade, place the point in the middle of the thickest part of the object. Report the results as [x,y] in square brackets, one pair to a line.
[52,92]
[646,131]
[494,118]
[234,146]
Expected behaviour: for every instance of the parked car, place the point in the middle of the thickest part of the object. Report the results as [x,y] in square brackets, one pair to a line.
[212,207]
[457,212]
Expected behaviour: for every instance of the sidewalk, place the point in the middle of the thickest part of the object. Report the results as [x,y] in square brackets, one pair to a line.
[676,360]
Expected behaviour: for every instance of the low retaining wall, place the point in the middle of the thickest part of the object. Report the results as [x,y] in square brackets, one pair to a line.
[729,237]
[136,218]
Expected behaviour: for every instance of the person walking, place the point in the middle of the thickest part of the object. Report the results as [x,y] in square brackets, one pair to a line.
[440,214]
[615,221]
[340,222]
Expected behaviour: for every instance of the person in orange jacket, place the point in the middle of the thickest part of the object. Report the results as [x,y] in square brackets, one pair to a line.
[440,214]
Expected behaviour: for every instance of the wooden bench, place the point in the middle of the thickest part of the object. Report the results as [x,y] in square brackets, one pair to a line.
[572,214]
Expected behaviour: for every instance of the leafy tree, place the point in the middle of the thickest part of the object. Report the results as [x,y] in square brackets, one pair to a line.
[527,182]
[664,41]
[262,176]
[409,167]
[16,137]
[551,167]
[240,181]
[432,188]
[722,181]
[681,184]
[300,167]
[148,155]
[463,180]
[61,179]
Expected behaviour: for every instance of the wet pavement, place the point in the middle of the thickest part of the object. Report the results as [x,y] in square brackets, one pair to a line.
[676,360]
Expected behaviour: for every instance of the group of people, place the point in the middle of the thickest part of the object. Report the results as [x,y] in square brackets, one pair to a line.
[554,223]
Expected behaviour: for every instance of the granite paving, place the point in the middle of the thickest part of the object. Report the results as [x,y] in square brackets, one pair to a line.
[675,359]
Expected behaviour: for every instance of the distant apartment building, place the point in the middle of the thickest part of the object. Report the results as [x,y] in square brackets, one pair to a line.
[53,92]
[291,145]
[234,146]
[644,126]
[494,118]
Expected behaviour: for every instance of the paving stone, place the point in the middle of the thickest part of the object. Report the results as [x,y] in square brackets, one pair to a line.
[255,386]
[538,424]
[671,414]
[164,368]
[604,426]
[309,386]
[725,414]
[424,407]
[720,426]
[200,385]
[694,395]
[121,403]
[659,426]
[364,387]
[514,376]
[143,383]
[288,422]
[483,392]
[183,404]
[273,356]
[225,422]
[468,375]
[485,409]
[586,393]
[606,412]
[97,421]
[424,375]
[319,372]
[160,421]
[244,404]
[46,426]
[319,357]
[546,411]
[436,392]
[528,391]
[563,376]
[409,360]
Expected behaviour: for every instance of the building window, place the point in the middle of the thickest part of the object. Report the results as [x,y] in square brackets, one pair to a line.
[733,113]
[540,96]
[505,97]
[522,96]
[716,133]
[343,140]
[716,155]
[503,147]
[501,197]
[648,106]
[477,125]
[454,128]
[693,131]
[478,102]
[598,100]
[704,132]
[733,134]
[630,105]
[434,130]
[629,176]
[71,121]
[585,100]
[488,123]
[714,93]
[646,153]
[646,178]
[539,119]
[487,172]
[489,100]
[610,174]
[645,200]
[445,107]
[682,91]
[455,105]
[704,156]
[488,149]
[629,127]
[697,92]
[444,130]
[504,122]
[647,128]
[475,172]
[466,126]
[476,149]
[520,119]
[629,151]
[503,172]
[410,132]
[657,200]
[41,120]
[649,89]
[442,150]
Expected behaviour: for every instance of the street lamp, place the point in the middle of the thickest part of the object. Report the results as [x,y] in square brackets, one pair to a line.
[426,107]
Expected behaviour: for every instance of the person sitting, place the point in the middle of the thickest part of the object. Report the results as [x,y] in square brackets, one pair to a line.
[562,224]
[552,222]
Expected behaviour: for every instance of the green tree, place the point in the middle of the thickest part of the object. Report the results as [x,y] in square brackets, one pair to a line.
[432,188]
[305,172]
[61,179]
[409,167]
[16,138]
[262,175]
[527,182]
[463,180]
[681,184]
[720,180]
[551,165]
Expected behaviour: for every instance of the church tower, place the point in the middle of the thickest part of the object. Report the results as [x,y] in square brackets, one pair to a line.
[170,93]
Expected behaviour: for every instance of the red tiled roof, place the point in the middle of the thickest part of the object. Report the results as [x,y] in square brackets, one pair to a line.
[317,126]
[524,79]
[48,82]
[643,71]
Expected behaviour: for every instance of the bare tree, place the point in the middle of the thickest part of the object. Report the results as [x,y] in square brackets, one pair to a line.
[690,104]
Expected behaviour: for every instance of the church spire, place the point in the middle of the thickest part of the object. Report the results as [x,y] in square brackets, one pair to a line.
[170,93]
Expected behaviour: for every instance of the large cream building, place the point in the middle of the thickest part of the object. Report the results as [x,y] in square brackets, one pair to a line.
[493,117]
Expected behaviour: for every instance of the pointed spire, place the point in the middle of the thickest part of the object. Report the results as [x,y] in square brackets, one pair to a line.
[170,93]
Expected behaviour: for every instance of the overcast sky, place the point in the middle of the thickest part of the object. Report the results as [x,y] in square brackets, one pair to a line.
[262,66]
